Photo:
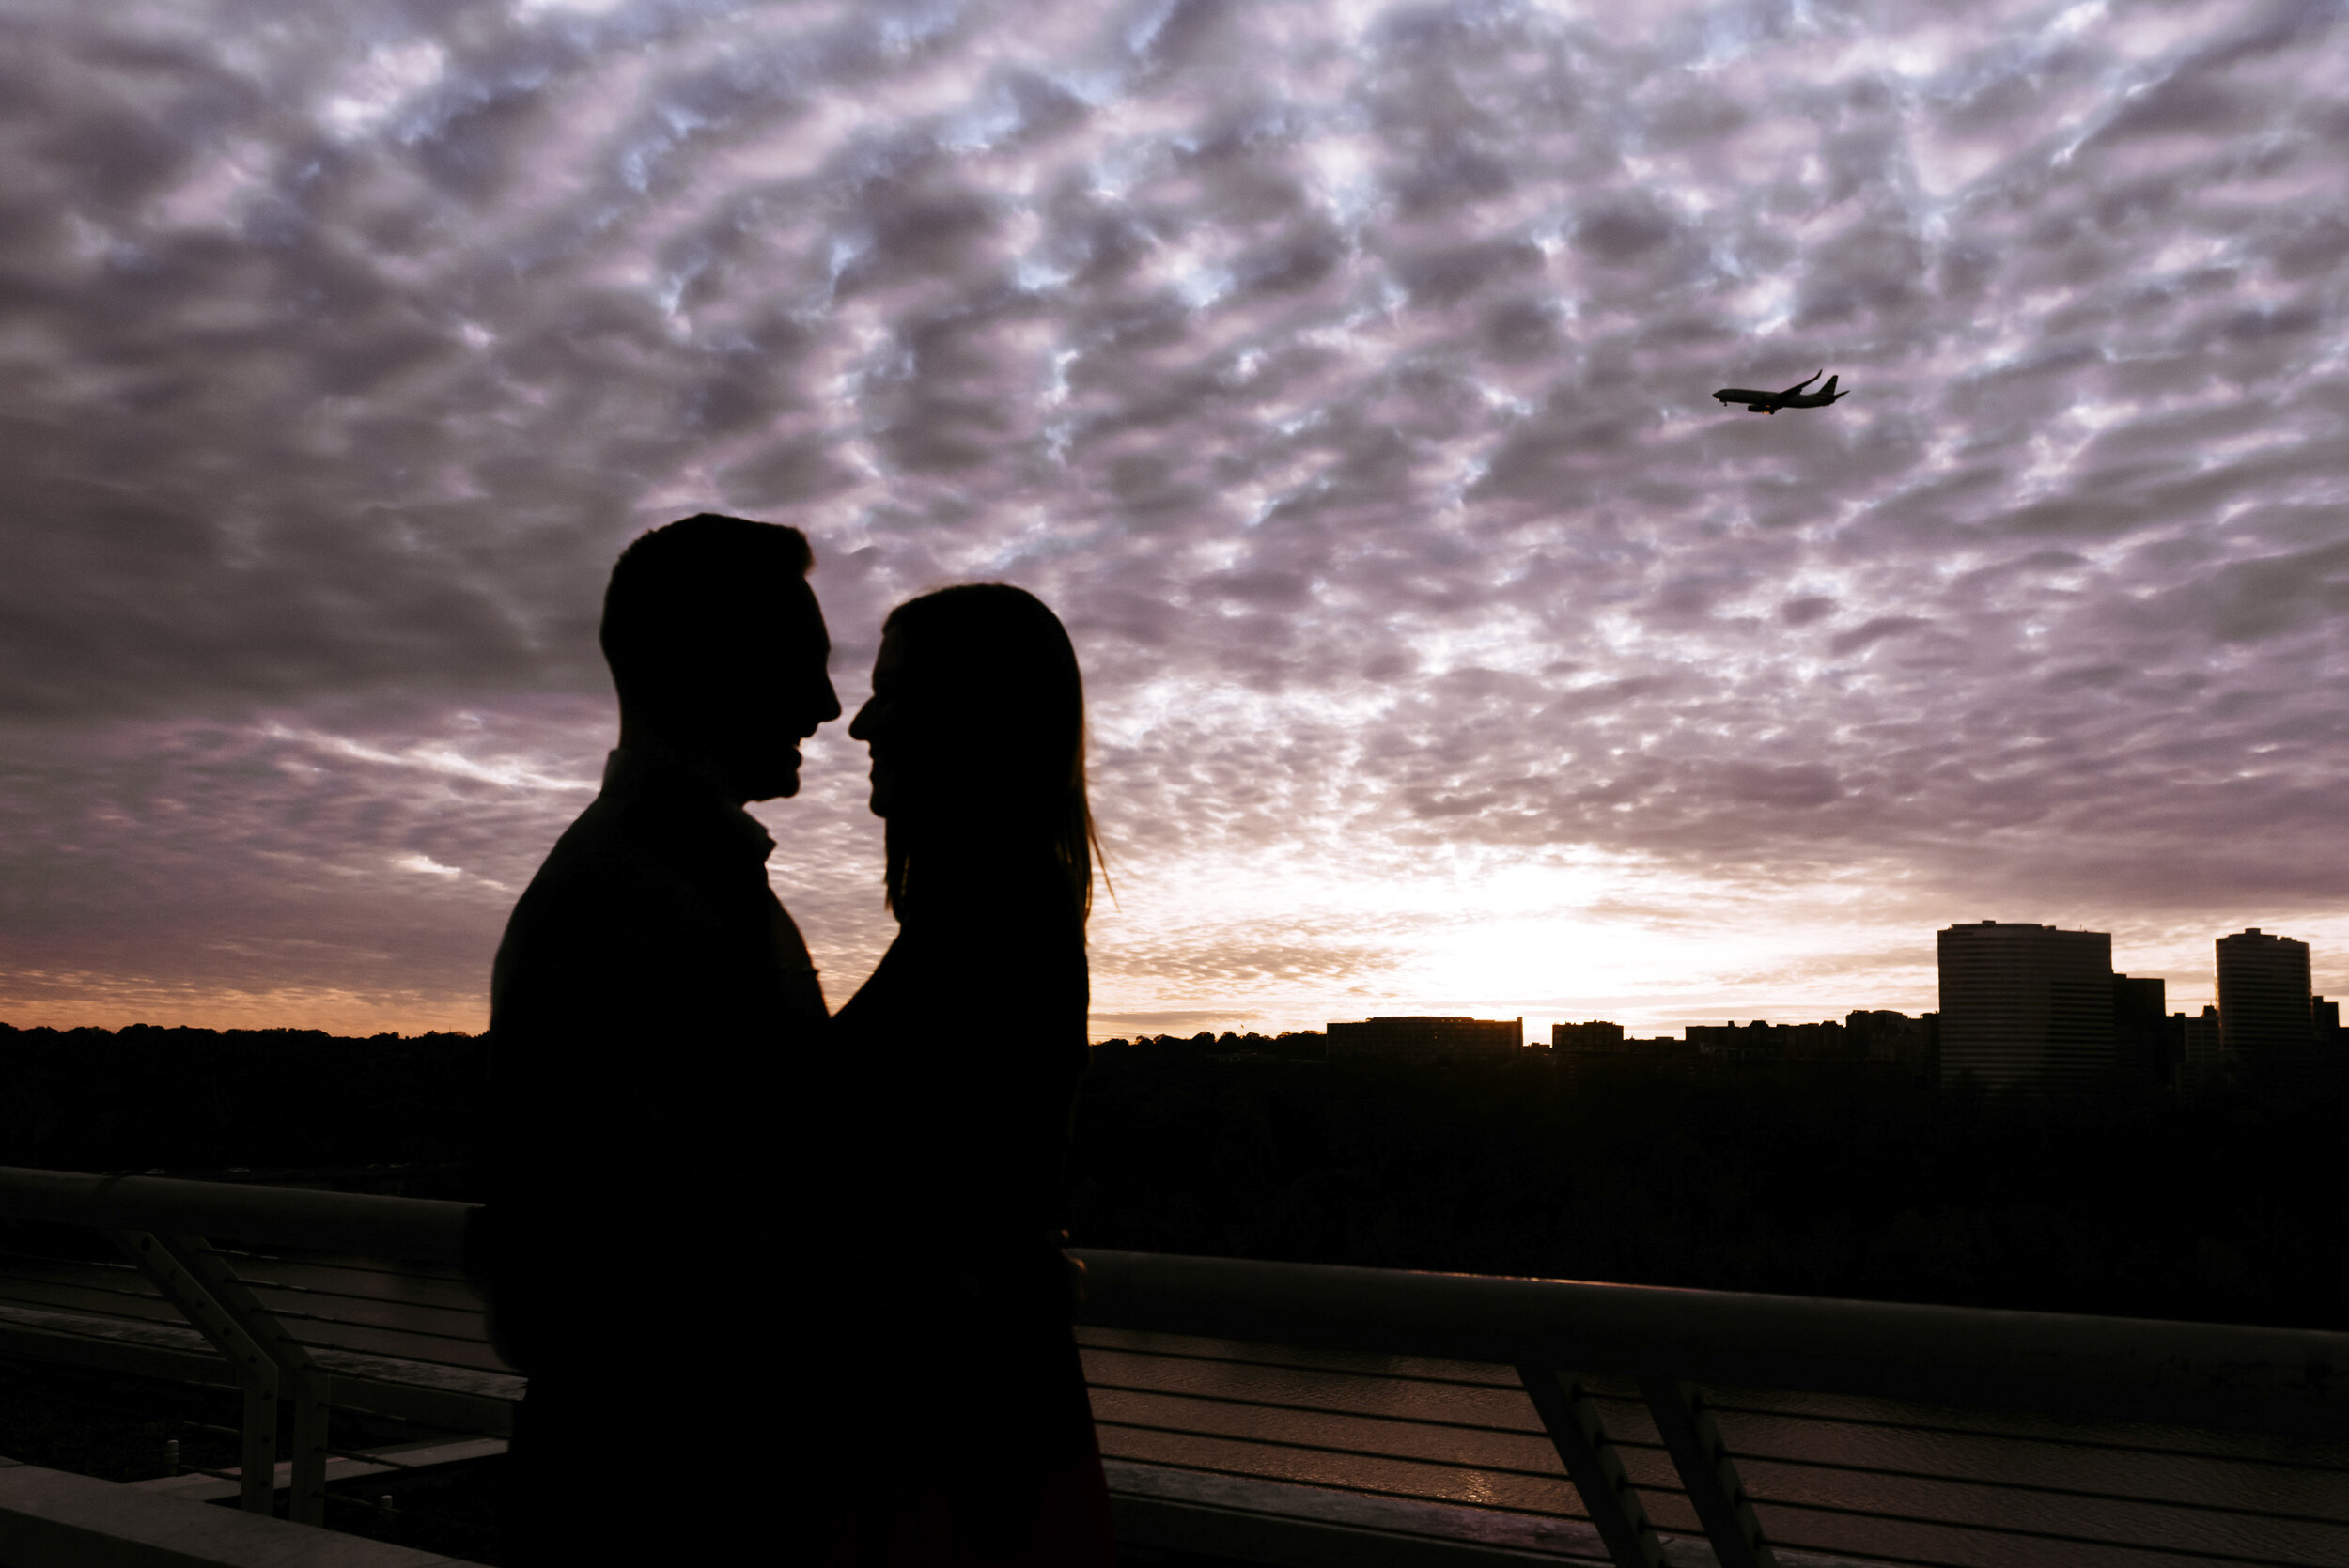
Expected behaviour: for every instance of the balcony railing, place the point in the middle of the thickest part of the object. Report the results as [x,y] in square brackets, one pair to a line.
[316,1300]
[1625,1423]
[1293,1413]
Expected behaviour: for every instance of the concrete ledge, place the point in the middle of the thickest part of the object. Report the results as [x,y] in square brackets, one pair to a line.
[52,1519]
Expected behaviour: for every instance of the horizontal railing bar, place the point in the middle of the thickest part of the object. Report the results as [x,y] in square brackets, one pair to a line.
[68,1331]
[2206,1554]
[260,1284]
[1352,1491]
[73,1263]
[426,1230]
[2095,1445]
[386,1460]
[199,1366]
[198,1345]
[2336,1521]
[76,1284]
[1322,1410]
[281,1313]
[65,1330]
[291,1315]
[419,1360]
[1860,1555]
[1557,1475]
[386,1267]
[1512,1386]
[2183,1373]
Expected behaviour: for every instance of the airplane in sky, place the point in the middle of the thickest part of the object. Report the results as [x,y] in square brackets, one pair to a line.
[1793,397]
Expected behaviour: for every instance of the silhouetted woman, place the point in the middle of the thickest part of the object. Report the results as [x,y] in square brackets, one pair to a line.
[969,1040]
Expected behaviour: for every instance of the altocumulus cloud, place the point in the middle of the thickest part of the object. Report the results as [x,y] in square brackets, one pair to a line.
[1340,373]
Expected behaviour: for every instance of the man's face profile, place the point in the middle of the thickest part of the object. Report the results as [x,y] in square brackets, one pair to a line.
[778,693]
[753,688]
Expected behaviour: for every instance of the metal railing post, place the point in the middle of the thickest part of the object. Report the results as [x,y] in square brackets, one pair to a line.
[254,1367]
[308,1387]
[1593,1465]
[202,1282]
[1694,1442]
[301,1379]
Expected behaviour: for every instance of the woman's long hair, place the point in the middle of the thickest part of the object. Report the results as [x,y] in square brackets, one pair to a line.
[990,673]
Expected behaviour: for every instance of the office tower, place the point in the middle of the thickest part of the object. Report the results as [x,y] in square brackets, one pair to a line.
[2024,1005]
[1425,1039]
[2325,1019]
[2201,1066]
[1597,1035]
[2141,1034]
[2264,1000]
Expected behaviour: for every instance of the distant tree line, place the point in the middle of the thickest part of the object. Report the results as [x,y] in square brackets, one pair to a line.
[1303,1044]
[202,1101]
[2226,1207]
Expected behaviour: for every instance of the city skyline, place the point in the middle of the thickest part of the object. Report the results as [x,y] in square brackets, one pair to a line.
[2150,996]
[1340,373]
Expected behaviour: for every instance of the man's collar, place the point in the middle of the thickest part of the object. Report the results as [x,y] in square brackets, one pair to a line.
[634,772]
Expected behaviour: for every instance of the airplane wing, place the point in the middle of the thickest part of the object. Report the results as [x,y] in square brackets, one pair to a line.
[1804,382]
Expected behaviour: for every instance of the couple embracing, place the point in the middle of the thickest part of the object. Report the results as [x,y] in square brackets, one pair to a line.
[787,1284]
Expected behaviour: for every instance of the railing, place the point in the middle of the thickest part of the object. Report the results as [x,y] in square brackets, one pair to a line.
[1541,1418]
[1874,1432]
[316,1300]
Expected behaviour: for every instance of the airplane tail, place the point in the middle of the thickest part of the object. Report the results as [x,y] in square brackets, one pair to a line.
[1828,390]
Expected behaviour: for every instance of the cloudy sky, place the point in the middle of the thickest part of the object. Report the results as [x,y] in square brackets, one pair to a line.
[1338,369]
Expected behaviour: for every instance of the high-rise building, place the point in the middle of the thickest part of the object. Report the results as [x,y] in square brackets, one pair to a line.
[1424,1039]
[2202,1064]
[2141,1032]
[2024,1005]
[2325,1019]
[2264,1000]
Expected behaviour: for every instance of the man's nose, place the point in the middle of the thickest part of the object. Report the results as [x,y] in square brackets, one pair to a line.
[830,708]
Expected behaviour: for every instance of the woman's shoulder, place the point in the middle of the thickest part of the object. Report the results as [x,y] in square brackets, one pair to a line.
[978,954]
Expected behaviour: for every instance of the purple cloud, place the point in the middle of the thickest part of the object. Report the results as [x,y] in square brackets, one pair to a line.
[1343,379]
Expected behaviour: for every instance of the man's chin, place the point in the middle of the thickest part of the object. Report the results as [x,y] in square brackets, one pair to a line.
[780,785]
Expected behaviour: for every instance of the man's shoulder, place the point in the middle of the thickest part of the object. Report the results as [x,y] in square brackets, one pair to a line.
[593,845]
[597,862]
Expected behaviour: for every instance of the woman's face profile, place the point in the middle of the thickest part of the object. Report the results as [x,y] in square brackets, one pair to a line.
[885,725]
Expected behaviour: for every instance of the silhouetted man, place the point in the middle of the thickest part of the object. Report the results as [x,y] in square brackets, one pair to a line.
[648,999]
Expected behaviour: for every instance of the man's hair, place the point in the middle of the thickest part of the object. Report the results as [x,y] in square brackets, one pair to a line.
[686,592]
